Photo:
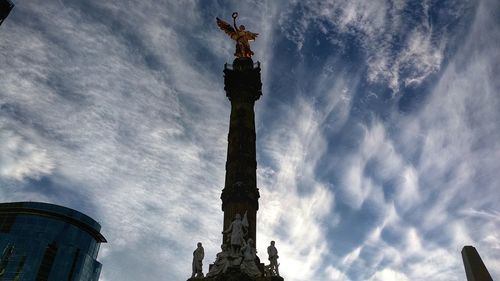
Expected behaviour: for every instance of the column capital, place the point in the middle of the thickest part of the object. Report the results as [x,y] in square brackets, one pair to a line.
[242,80]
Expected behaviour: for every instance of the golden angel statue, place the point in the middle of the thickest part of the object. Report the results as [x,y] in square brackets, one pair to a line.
[240,35]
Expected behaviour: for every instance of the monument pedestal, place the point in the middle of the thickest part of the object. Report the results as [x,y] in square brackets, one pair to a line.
[235,274]
[271,278]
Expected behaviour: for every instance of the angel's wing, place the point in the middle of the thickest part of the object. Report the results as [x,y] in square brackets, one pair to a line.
[250,36]
[226,27]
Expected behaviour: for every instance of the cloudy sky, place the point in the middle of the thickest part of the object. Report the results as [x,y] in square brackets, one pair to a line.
[378,141]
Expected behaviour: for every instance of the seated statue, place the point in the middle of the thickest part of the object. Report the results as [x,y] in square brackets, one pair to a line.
[221,263]
[249,265]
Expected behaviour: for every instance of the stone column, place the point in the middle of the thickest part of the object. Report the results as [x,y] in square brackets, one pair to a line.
[240,194]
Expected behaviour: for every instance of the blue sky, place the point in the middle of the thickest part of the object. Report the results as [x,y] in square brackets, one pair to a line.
[378,141]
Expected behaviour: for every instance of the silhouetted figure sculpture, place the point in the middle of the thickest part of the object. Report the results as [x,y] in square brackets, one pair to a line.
[198,256]
[273,259]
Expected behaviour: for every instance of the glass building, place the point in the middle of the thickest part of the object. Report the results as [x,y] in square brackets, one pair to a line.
[5,8]
[46,242]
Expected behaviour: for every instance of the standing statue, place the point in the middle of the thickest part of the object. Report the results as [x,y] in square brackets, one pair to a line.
[237,232]
[240,35]
[198,256]
[249,265]
[221,263]
[273,259]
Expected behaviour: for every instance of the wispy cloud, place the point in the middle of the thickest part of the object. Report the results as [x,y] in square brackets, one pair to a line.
[21,159]
[298,202]
[401,43]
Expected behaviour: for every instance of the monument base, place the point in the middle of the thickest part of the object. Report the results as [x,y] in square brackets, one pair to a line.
[237,277]
[234,274]
[271,278]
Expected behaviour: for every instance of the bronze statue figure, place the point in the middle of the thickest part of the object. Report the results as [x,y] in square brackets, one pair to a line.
[240,35]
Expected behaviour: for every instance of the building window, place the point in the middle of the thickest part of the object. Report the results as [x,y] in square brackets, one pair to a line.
[47,262]
[73,265]
[6,222]
[19,269]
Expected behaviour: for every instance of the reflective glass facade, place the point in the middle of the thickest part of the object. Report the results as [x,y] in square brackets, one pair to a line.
[46,242]
[5,8]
